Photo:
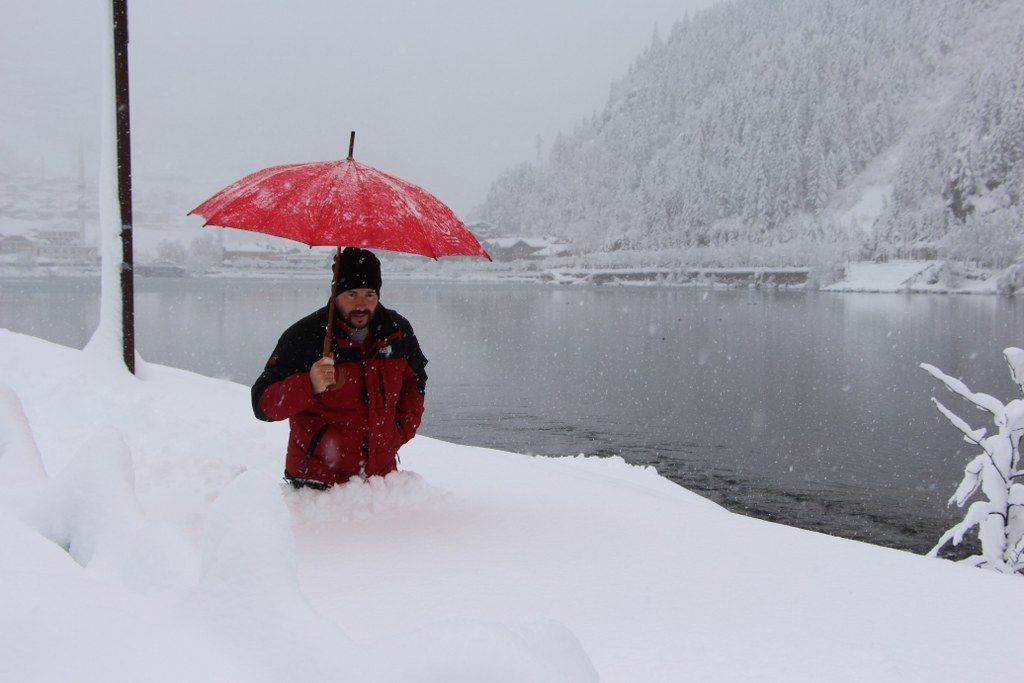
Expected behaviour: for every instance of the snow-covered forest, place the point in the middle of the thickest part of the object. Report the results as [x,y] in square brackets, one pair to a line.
[766,131]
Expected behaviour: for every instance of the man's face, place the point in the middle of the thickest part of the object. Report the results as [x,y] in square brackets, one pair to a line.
[356,306]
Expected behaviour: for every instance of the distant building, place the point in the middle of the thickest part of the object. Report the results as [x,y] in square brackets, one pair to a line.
[64,243]
[514,248]
[72,253]
[161,268]
[309,259]
[265,255]
[482,230]
[59,235]
[556,249]
[276,259]
[18,244]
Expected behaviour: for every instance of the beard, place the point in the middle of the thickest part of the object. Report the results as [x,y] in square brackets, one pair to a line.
[364,320]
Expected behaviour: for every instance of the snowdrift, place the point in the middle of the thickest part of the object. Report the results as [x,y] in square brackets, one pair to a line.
[146,534]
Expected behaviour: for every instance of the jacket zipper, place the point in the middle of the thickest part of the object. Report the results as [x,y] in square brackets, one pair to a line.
[313,443]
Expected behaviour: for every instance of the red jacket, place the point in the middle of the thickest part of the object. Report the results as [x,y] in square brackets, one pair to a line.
[357,427]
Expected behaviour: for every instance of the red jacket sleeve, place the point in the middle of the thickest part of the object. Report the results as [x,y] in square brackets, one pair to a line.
[287,397]
[284,388]
[414,386]
[410,406]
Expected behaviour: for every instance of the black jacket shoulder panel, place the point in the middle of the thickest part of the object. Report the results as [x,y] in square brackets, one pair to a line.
[298,348]
[309,328]
[413,354]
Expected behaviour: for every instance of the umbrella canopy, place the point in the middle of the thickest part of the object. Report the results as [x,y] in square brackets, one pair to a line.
[341,203]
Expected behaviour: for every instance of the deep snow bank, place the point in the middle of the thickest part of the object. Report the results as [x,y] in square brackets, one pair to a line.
[145,517]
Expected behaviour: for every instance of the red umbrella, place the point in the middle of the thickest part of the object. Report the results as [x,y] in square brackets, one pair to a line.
[341,204]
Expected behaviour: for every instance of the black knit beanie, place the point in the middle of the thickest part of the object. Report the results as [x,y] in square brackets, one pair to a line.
[359,269]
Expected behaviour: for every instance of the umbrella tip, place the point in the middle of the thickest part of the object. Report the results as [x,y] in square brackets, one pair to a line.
[351,144]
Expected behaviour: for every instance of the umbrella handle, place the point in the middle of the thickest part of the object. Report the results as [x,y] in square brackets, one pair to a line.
[329,332]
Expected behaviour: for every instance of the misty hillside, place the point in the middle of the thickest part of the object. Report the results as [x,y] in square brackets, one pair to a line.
[762,129]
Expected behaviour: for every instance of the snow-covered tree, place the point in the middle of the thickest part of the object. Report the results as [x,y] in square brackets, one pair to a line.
[757,123]
[996,470]
[204,252]
[171,250]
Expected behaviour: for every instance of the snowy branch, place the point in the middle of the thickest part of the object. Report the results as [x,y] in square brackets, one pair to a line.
[1015,359]
[977,512]
[1018,550]
[970,435]
[970,482]
[982,401]
[998,518]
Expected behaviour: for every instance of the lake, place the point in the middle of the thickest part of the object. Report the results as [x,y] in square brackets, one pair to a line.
[804,408]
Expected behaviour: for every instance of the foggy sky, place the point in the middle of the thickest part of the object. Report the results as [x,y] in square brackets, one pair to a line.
[445,93]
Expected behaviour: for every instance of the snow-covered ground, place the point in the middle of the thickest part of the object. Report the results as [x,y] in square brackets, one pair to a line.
[933,277]
[145,534]
[893,276]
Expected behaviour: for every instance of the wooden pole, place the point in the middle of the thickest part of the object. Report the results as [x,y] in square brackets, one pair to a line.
[124,181]
[329,332]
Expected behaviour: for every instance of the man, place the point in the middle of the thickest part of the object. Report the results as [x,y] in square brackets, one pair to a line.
[348,414]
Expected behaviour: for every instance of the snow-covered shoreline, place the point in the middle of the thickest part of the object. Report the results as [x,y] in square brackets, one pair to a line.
[915,277]
[471,564]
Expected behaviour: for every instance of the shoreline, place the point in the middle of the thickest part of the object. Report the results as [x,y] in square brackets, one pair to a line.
[895,277]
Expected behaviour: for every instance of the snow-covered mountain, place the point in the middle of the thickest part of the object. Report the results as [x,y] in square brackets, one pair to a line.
[874,127]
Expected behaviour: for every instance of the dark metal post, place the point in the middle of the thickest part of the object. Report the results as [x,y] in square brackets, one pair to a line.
[351,144]
[124,181]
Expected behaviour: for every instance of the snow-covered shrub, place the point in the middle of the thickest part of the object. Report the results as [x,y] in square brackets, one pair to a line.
[827,264]
[171,250]
[995,238]
[996,470]
[204,253]
[950,275]
[1011,280]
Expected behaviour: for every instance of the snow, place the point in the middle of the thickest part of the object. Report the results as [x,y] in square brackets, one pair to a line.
[864,214]
[106,343]
[892,276]
[155,540]
[1015,359]
[21,462]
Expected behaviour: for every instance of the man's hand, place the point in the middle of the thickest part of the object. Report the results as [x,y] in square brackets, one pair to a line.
[321,374]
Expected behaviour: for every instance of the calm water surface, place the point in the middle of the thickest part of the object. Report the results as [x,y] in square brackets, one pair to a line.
[799,407]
